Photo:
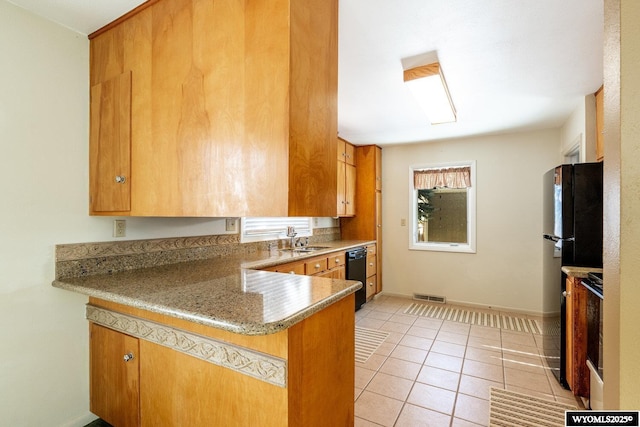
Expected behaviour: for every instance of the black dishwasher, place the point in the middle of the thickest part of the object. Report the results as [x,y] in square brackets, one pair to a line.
[357,270]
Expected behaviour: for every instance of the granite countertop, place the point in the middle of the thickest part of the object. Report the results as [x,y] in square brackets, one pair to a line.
[579,272]
[227,293]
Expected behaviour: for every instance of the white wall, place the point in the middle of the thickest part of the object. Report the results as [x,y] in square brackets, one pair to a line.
[506,271]
[580,129]
[44,184]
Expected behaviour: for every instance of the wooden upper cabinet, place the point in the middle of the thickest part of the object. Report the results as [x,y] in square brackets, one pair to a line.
[367,222]
[233,106]
[110,145]
[600,124]
[313,106]
[342,150]
[350,154]
[346,185]
[378,167]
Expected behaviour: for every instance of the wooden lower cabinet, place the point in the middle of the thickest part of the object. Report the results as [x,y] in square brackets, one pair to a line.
[114,386]
[372,286]
[372,267]
[332,266]
[290,267]
[163,387]
[577,372]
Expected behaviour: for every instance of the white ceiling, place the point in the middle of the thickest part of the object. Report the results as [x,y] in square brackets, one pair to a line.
[511,65]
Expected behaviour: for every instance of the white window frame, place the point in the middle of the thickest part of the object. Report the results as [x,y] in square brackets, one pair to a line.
[259,229]
[470,246]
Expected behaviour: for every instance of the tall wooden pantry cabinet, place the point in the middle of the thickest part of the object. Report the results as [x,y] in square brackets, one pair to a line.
[367,222]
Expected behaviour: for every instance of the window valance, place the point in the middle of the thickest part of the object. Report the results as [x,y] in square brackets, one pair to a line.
[456,177]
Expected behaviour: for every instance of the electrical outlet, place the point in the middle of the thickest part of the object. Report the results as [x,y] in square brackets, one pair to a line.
[232,224]
[119,228]
[403,222]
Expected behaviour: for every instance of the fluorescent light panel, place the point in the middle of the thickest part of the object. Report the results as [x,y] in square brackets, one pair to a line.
[428,86]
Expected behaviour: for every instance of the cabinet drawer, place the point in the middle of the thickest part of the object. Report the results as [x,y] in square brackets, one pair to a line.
[371,265]
[371,250]
[291,268]
[335,260]
[315,266]
[371,286]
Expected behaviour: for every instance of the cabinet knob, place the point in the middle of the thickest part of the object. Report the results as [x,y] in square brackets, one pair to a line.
[566,294]
[121,179]
[337,260]
[292,272]
[317,266]
[128,357]
[370,264]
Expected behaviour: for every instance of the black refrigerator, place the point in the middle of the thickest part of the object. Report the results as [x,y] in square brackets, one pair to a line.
[572,236]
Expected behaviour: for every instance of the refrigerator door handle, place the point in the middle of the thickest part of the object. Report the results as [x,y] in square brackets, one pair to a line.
[558,239]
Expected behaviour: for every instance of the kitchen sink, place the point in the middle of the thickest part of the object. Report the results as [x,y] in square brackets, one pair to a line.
[306,249]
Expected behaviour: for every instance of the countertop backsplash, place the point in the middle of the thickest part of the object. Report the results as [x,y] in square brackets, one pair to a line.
[86,259]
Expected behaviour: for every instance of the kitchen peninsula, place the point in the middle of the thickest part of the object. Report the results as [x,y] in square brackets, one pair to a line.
[219,342]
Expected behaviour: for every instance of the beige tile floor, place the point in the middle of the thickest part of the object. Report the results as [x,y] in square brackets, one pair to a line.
[438,373]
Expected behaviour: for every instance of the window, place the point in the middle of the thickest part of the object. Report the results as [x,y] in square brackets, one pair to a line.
[443,207]
[258,229]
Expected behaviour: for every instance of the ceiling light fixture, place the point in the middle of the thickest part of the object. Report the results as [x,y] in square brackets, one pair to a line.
[428,86]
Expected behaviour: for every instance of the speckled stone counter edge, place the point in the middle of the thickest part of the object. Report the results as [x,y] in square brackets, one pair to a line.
[579,272]
[238,328]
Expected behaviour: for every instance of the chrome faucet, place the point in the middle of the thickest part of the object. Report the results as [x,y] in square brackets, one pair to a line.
[291,233]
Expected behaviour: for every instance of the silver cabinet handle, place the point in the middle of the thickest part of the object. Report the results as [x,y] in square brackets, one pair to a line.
[128,357]
[121,179]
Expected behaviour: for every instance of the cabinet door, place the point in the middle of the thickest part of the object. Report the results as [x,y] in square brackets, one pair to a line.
[346,205]
[110,145]
[569,329]
[342,197]
[371,286]
[576,340]
[342,154]
[114,385]
[339,273]
[378,234]
[349,154]
[350,190]
[600,124]
[378,160]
